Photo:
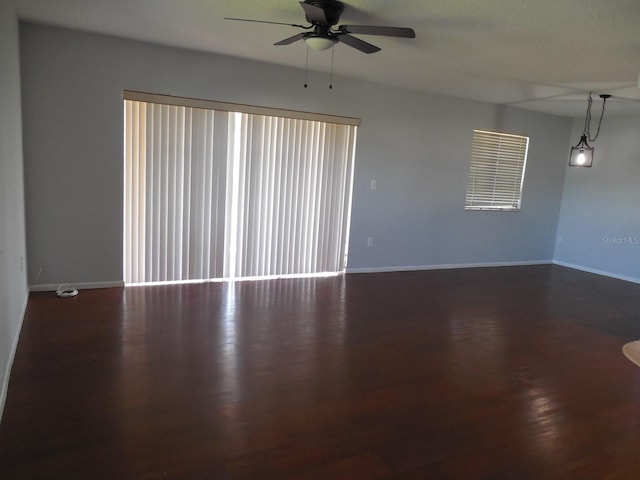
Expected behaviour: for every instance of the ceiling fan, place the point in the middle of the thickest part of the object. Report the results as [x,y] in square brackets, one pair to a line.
[322,16]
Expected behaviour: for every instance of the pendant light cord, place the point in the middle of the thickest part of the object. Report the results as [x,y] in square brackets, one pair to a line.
[587,120]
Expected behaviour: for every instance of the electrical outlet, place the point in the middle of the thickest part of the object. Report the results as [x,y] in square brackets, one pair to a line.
[369,241]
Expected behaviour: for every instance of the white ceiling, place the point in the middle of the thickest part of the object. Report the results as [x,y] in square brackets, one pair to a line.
[543,55]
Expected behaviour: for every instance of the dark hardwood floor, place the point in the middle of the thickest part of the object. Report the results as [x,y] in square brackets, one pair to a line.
[497,373]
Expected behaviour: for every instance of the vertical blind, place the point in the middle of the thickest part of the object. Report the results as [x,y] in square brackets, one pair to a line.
[223,194]
[496,172]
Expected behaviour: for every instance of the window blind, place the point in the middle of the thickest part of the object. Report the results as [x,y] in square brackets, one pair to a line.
[221,194]
[293,196]
[496,172]
[175,171]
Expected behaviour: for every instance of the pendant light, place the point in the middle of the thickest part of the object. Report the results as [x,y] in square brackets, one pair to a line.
[582,154]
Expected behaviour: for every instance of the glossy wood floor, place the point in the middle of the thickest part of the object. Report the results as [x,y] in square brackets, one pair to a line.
[500,373]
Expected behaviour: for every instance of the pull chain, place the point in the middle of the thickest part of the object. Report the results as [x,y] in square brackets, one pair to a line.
[331,76]
[306,69]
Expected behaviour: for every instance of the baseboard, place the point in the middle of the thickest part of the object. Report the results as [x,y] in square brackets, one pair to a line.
[12,355]
[597,272]
[80,286]
[449,266]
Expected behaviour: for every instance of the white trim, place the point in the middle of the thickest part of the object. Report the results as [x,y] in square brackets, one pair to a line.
[50,287]
[12,355]
[450,266]
[410,268]
[236,107]
[597,272]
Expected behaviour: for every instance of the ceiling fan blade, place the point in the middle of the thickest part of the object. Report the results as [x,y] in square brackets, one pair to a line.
[375,30]
[290,40]
[265,21]
[358,44]
[314,14]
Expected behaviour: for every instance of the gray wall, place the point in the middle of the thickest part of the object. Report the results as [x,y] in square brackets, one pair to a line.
[415,145]
[13,281]
[599,228]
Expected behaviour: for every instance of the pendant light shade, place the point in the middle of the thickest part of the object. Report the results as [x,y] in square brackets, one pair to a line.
[582,154]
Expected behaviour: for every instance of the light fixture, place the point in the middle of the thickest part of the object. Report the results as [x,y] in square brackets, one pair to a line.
[582,154]
[320,42]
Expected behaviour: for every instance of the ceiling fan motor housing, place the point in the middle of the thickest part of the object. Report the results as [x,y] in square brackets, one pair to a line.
[332,10]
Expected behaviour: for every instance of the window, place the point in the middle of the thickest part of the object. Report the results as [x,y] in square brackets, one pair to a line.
[216,190]
[497,169]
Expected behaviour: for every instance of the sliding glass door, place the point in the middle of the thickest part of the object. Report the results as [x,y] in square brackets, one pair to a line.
[215,193]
